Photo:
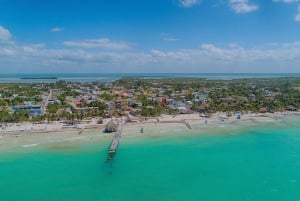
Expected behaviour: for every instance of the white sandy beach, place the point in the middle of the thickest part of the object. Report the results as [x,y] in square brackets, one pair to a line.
[217,118]
[28,135]
[199,124]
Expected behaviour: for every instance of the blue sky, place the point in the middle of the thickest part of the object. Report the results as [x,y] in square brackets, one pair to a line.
[165,36]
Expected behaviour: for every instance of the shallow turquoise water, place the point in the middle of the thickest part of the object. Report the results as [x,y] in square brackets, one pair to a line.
[255,164]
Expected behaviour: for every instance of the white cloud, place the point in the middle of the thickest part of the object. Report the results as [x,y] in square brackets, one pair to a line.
[57,29]
[233,58]
[242,6]
[207,58]
[7,51]
[189,3]
[285,1]
[297,17]
[5,35]
[103,43]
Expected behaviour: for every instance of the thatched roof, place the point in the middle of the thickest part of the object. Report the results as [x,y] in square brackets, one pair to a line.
[263,110]
[111,126]
[100,121]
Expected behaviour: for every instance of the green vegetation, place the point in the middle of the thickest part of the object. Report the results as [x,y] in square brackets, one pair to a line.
[254,95]
[145,97]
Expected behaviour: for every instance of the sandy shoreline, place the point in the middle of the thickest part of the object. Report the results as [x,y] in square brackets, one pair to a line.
[56,126]
[30,136]
[27,127]
[214,119]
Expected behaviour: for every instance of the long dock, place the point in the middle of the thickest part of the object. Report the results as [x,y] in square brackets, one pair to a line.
[188,125]
[115,141]
[81,130]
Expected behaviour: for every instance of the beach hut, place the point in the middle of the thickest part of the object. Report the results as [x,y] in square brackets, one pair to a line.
[263,110]
[111,126]
[100,121]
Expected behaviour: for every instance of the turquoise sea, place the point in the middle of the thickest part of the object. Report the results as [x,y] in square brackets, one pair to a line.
[109,77]
[260,163]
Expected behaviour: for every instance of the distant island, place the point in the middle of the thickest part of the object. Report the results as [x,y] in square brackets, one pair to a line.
[38,78]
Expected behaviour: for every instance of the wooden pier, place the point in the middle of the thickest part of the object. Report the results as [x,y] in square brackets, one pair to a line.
[188,125]
[81,130]
[115,142]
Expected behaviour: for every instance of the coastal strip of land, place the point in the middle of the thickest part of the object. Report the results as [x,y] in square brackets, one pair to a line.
[195,118]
